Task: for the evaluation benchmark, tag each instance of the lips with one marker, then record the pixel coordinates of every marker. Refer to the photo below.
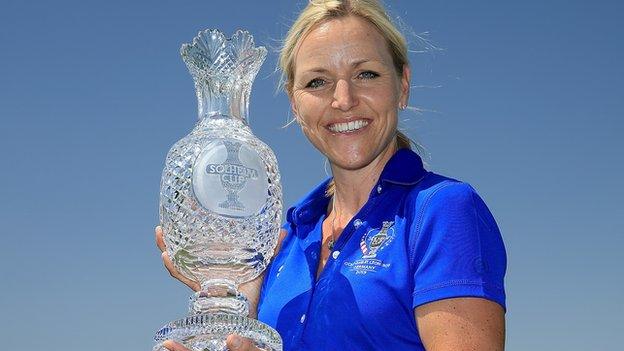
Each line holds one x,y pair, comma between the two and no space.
348,127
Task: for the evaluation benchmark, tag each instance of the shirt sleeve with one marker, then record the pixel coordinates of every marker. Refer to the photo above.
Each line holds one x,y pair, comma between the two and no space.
458,250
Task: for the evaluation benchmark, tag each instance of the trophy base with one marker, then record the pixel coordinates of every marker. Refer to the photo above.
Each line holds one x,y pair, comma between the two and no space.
208,332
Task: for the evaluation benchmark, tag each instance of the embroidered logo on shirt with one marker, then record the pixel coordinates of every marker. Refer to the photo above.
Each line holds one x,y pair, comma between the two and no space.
371,244
376,239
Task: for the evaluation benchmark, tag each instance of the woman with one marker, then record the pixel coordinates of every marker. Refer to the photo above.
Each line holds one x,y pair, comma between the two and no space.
384,255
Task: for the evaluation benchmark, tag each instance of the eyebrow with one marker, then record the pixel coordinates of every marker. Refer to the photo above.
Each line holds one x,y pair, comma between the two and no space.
353,65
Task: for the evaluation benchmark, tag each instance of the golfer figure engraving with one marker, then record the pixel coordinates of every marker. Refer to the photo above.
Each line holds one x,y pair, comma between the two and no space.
233,174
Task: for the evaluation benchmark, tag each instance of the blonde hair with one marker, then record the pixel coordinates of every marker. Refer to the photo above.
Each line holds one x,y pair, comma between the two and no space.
319,11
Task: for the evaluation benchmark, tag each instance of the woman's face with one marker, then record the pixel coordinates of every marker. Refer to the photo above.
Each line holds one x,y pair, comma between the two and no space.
346,92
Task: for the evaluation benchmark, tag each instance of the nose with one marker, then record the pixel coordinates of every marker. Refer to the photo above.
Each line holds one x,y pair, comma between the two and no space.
344,96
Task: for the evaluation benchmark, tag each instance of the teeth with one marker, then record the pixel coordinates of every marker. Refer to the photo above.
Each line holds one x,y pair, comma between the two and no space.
348,127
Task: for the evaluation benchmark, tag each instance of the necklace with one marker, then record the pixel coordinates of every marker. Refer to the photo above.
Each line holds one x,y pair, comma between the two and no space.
331,241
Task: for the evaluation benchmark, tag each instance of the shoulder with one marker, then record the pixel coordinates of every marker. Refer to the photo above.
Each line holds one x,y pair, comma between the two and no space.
448,209
437,193
455,246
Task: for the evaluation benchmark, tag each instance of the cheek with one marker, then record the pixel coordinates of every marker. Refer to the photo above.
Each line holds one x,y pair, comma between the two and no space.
309,110
382,98
314,138
384,107
310,123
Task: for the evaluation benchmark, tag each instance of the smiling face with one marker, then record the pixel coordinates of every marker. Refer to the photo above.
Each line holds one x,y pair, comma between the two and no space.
346,92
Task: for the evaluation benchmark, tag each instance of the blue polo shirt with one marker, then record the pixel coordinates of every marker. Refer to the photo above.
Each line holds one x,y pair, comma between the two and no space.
420,237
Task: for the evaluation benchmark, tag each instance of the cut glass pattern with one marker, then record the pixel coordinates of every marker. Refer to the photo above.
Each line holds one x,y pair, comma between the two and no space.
220,197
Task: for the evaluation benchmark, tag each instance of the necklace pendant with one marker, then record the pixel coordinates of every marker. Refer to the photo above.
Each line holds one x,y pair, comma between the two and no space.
330,244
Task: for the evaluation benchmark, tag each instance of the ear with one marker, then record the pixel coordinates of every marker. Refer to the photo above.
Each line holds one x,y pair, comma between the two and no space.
405,85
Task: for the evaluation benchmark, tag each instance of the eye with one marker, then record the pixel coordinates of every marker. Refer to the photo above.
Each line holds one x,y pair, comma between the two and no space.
368,75
315,83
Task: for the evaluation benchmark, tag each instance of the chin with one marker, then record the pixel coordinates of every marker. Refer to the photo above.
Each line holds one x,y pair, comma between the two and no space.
351,163
355,158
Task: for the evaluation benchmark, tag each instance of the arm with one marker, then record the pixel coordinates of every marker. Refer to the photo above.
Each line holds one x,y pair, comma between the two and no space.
464,323
460,263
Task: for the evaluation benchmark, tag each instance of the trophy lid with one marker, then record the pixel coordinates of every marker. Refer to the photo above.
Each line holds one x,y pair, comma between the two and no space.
223,70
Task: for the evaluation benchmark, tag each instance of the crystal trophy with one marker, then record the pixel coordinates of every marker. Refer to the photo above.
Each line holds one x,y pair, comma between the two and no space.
220,198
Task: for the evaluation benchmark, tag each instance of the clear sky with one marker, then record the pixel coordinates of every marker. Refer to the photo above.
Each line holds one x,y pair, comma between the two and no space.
521,99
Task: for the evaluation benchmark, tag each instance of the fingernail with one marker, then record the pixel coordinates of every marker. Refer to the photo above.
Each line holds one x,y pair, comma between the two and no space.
237,341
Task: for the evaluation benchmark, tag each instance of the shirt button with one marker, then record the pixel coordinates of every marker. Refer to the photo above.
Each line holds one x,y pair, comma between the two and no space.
379,189
357,223
302,318
335,254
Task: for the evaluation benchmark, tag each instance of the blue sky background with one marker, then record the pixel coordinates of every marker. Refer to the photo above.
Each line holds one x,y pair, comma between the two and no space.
524,101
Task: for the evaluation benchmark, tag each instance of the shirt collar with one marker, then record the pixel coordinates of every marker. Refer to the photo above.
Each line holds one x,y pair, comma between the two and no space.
313,205
404,168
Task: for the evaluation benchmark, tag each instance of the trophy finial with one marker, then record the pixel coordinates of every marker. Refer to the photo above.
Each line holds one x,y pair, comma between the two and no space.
223,70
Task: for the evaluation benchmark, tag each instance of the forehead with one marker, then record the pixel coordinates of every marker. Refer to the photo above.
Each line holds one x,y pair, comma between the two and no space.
342,41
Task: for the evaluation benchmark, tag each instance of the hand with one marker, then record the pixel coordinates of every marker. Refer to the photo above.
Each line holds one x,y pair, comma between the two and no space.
160,242
250,289
234,343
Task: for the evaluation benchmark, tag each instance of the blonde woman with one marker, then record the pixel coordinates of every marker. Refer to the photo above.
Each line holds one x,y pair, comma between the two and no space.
384,255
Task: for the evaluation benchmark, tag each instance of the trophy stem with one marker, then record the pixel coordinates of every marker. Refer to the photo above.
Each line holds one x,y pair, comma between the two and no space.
219,296
217,104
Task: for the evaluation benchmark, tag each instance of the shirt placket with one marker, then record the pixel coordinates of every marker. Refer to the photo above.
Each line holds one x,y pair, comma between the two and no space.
333,263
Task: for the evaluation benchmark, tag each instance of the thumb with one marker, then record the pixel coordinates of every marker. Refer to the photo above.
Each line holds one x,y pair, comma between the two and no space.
237,343
174,346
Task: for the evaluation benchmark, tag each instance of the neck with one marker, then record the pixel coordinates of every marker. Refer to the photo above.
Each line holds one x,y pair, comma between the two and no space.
353,187
212,103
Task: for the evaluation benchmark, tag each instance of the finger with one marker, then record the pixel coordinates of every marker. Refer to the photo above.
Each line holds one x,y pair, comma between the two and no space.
174,346
176,274
237,343
160,242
